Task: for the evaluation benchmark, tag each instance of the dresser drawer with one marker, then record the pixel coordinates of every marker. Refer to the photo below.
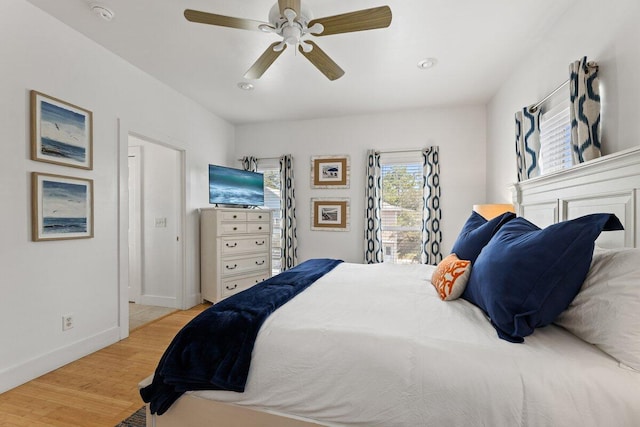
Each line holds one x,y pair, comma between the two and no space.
233,216
234,285
258,227
237,265
258,216
233,228
231,245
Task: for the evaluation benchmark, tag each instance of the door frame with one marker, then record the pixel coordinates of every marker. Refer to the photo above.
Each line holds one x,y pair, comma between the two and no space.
136,282
124,130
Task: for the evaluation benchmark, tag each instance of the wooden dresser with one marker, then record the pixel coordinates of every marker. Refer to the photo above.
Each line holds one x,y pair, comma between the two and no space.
235,250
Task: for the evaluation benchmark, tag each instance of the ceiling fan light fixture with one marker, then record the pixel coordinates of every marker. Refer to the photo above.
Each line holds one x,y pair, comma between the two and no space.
427,63
316,28
266,28
306,46
102,11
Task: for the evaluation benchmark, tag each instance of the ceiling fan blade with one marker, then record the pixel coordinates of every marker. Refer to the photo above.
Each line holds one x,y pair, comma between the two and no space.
289,4
366,19
264,62
222,21
322,61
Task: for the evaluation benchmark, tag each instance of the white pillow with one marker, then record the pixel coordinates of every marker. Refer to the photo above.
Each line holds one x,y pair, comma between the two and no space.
606,311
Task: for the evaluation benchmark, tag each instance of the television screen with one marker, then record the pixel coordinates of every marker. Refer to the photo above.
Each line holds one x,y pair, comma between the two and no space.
229,186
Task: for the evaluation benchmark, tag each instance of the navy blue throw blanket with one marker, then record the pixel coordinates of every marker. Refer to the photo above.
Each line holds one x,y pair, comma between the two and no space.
213,351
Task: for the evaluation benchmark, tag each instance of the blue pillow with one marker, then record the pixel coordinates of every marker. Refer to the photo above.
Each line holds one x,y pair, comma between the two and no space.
525,277
476,233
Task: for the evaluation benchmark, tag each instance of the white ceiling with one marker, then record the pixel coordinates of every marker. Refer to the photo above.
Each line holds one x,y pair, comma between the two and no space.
477,44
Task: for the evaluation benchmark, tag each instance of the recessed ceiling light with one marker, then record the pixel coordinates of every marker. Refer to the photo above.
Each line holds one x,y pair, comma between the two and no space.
102,11
427,63
245,86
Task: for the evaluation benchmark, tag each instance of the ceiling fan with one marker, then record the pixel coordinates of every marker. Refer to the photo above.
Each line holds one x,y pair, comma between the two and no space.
293,23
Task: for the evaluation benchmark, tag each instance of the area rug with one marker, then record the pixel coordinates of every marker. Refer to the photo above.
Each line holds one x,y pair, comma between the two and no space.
137,419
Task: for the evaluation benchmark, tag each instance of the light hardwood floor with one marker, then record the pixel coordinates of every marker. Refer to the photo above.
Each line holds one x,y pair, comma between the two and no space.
98,390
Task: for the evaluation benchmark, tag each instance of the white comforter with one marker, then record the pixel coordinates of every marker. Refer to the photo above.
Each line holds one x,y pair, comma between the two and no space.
373,345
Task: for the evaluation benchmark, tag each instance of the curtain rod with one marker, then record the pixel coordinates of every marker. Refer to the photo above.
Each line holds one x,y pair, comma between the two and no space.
264,158
416,150
535,107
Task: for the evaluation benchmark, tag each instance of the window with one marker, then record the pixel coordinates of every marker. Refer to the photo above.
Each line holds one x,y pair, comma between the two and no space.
555,138
271,172
401,207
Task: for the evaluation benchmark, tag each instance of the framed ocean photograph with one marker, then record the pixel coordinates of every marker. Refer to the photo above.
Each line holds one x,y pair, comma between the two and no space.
62,207
61,133
330,214
330,171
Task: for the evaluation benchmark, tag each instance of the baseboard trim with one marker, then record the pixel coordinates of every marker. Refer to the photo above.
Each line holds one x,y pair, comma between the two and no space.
33,368
158,300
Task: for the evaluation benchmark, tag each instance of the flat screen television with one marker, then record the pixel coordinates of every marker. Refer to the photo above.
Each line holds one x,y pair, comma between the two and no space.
236,187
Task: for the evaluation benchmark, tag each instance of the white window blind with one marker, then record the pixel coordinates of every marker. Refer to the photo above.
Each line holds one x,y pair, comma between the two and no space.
271,172
555,138
401,207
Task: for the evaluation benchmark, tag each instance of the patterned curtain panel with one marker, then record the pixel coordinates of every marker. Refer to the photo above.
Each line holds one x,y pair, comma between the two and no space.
585,110
528,143
519,147
288,208
373,207
431,213
250,163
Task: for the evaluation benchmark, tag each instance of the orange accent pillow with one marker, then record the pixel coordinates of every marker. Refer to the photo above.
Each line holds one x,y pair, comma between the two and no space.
450,277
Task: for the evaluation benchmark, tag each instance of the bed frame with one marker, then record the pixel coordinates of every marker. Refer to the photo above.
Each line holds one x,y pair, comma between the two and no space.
609,184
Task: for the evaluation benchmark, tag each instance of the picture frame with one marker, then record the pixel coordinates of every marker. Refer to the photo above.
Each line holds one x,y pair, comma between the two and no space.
61,207
61,133
330,171
330,214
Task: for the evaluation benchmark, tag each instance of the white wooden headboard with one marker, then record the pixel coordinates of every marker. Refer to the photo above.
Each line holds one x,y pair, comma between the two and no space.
609,184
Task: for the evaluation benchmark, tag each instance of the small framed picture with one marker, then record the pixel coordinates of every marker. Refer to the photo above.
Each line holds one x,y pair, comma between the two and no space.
330,171
61,133
330,214
62,207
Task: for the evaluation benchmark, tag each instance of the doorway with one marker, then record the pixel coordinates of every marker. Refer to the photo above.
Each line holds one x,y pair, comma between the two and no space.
155,229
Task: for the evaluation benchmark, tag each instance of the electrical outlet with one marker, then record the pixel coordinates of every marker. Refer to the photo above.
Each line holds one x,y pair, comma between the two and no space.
67,322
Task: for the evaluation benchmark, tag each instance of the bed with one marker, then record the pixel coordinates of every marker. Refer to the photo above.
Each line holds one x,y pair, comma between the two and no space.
374,345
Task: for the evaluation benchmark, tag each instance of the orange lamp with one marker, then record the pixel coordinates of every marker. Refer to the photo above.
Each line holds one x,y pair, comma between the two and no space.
491,211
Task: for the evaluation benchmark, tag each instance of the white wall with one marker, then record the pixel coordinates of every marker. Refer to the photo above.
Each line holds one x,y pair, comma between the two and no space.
41,281
459,132
604,31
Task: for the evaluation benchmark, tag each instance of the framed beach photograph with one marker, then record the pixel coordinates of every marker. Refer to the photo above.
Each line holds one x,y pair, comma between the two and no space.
330,171
61,133
330,214
61,207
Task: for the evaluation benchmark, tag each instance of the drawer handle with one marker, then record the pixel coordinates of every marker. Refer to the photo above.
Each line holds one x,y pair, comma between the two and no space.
259,216
231,246
235,228
232,287
259,228
260,262
228,267
260,243
235,216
